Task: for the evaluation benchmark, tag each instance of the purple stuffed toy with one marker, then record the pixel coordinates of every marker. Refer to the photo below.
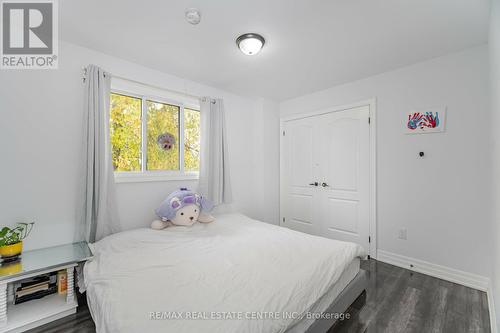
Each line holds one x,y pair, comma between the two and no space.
183,207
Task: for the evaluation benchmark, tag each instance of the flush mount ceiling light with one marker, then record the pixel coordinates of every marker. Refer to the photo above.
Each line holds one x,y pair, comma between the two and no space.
250,43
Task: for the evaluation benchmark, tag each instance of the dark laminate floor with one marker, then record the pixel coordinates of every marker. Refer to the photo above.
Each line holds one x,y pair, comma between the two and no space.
397,300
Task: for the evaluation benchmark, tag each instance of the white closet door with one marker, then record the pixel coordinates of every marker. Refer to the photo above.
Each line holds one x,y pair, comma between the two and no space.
301,169
331,149
345,172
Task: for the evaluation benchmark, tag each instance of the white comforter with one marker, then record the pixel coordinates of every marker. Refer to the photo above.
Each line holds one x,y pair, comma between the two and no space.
256,276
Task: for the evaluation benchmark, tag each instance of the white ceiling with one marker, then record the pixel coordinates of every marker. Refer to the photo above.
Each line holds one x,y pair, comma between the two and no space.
311,44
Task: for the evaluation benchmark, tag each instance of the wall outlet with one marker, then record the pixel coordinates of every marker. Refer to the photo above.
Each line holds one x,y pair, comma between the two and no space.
403,234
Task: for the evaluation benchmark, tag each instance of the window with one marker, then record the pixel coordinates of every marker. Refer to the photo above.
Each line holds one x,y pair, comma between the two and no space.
153,139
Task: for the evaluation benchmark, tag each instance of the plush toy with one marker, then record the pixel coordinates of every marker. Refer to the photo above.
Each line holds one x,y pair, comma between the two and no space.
183,207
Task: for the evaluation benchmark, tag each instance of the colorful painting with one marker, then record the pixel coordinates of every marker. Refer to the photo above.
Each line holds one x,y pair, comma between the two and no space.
429,121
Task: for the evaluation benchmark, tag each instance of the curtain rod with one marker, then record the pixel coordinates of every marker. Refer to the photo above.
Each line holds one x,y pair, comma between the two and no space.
84,69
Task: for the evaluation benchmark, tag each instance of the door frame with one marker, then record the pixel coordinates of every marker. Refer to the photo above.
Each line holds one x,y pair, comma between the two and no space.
372,105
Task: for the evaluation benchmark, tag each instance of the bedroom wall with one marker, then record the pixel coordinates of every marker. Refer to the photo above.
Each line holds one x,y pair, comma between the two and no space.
267,159
443,199
40,140
494,47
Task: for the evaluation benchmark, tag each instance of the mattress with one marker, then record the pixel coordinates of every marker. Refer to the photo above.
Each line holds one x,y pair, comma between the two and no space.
233,275
327,299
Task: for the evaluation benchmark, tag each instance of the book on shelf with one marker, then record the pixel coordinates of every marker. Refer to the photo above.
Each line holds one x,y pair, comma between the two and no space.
35,287
30,290
35,295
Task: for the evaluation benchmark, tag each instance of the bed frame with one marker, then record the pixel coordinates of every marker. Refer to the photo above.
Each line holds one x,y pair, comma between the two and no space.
355,290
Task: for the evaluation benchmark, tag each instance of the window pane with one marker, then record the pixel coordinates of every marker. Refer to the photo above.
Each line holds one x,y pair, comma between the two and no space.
125,132
191,140
163,120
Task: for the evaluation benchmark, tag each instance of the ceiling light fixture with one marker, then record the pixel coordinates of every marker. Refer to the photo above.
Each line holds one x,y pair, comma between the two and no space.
250,43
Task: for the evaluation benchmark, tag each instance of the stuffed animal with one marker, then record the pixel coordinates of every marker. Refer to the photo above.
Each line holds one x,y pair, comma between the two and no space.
183,207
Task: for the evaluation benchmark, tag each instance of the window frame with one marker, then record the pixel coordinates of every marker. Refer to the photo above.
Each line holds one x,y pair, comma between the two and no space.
145,175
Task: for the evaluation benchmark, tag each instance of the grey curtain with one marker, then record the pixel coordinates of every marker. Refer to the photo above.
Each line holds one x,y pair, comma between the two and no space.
214,181
99,213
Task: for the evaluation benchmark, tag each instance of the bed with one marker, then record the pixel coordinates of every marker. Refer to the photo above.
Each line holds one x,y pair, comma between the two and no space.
233,275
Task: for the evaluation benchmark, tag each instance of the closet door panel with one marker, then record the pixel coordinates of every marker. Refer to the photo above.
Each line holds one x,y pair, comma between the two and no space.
344,194
300,172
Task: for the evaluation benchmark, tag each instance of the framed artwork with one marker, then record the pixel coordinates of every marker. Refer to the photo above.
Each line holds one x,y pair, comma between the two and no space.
425,121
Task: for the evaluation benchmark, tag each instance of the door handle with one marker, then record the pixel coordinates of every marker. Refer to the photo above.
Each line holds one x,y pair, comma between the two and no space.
324,184
314,184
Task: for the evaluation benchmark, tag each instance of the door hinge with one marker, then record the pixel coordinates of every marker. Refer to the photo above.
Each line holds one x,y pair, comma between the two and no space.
283,133
369,239
283,220
369,120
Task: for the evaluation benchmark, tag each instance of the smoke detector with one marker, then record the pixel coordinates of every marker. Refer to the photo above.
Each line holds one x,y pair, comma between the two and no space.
193,16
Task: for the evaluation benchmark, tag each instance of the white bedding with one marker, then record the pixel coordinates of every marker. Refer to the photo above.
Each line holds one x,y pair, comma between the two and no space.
257,276
327,299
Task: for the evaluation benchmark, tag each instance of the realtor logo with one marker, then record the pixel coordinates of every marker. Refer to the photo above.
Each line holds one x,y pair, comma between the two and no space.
29,34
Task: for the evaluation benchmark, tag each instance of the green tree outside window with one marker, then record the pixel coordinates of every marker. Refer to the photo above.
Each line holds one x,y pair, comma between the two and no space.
126,135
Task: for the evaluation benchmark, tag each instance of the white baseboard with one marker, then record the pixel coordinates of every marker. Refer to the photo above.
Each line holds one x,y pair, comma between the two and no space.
446,273
442,272
491,307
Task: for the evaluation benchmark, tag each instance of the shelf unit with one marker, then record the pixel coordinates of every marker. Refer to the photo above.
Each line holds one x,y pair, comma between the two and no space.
21,317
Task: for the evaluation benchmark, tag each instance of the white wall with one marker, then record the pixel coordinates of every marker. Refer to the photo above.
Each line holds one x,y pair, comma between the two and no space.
441,199
267,159
40,146
494,45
